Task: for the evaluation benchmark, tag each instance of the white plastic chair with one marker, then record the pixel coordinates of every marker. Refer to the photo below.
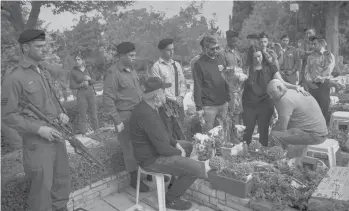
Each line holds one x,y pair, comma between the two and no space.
160,186
329,147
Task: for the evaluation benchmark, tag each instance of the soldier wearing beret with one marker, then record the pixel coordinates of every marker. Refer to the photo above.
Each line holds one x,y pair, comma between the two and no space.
171,71
233,59
45,158
317,72
121,93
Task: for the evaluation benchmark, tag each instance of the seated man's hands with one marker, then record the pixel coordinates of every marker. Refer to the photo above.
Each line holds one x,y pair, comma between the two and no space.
178,146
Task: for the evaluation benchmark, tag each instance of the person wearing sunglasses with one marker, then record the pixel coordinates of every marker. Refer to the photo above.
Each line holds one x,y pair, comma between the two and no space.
211,91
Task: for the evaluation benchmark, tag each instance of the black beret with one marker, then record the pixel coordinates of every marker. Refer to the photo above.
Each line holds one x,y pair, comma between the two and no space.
231,33
253,36
315,37
284,36
30,35
164,43
125,47
263,35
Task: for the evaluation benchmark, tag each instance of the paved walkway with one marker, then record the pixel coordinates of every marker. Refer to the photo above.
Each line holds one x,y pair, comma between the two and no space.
126,200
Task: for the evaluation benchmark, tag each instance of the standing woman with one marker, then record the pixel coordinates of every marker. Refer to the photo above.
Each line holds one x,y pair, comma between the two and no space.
257,105
82,80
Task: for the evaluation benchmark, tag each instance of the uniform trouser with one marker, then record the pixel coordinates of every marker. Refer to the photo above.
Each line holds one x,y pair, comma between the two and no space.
262,115
11,135
295,136
46,165
211,112
172,124
322,96
126,144
187,170
86,100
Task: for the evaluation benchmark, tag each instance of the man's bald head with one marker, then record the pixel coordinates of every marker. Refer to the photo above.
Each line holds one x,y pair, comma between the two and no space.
276,89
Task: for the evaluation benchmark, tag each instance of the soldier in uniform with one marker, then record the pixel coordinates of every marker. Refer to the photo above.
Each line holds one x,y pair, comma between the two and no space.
308,49
45,158
291,63
320,65
121,93
270,55
171,71
233,60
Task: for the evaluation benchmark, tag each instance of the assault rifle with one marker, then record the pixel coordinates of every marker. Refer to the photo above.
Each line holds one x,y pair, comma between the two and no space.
67,133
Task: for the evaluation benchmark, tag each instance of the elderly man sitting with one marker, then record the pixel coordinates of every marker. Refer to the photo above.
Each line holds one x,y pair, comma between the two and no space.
156,150
300,119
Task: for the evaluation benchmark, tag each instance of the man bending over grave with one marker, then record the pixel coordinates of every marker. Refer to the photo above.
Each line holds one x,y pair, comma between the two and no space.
300,121
156,150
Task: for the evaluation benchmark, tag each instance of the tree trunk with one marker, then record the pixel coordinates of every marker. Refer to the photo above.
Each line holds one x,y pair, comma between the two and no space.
34,15
332,16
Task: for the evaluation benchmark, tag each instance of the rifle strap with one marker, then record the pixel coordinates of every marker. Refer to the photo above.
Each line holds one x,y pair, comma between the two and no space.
45,77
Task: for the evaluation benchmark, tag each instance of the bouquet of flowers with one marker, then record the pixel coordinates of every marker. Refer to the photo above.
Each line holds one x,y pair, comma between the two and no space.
203,146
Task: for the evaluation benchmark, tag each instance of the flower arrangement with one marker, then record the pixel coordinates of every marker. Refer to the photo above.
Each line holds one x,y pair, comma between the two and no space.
203,146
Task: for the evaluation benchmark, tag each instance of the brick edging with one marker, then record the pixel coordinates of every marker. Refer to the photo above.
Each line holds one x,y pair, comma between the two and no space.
95,191
202,193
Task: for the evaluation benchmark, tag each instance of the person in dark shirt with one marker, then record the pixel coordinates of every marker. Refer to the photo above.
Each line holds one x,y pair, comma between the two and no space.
211,91
257,105
82,80
156,150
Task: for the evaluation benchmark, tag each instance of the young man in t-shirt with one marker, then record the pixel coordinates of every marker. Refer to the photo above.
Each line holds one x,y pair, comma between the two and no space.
300,119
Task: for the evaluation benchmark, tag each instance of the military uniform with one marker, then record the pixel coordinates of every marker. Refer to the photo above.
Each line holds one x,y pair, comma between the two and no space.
290,62
317,73
233,58
45,163
121,93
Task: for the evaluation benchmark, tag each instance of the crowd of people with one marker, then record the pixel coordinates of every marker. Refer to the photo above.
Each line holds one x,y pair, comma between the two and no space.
283,80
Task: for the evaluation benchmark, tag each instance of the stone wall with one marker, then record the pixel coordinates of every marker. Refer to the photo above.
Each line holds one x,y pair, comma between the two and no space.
202,193
98,190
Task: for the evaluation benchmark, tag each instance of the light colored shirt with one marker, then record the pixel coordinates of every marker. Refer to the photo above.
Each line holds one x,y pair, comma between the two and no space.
166,72
303,111
319,66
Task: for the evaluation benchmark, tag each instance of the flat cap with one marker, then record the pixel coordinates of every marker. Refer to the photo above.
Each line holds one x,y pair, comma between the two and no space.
155,83
263,35
315,37
253,36
125,47
164,43
30,35
231,33
284,36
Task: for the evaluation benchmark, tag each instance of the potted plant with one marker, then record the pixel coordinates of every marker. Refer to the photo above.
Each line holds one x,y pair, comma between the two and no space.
232,178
